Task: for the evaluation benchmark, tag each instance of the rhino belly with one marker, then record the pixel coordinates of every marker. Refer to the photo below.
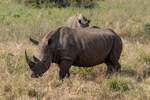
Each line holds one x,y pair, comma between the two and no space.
89,58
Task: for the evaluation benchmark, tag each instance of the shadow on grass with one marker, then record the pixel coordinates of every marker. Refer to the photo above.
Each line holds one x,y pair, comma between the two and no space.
134,74
128,72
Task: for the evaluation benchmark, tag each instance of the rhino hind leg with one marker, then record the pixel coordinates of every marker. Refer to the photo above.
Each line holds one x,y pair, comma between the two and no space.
64,69
117,67
114,56
110,67
112,62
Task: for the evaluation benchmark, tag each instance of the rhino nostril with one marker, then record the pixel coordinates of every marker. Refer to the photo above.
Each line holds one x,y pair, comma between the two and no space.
41,75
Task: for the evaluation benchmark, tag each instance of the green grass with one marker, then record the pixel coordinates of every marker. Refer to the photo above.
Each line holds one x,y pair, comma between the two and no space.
119,85
129,18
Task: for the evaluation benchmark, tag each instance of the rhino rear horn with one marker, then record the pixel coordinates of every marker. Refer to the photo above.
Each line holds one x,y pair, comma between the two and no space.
36,59
29,62
34,41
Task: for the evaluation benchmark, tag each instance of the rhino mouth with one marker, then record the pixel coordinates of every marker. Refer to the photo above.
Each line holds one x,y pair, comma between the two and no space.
33,75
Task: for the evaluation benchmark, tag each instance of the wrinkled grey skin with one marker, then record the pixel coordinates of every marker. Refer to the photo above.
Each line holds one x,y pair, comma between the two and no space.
78,21
66,46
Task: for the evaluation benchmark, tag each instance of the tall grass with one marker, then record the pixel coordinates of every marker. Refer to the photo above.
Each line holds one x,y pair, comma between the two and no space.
129,18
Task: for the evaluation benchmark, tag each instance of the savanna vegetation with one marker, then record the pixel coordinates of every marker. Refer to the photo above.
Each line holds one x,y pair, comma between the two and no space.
129,18
59,3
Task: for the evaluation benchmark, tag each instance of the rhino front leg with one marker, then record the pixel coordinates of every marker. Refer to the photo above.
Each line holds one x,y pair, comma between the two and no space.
64,69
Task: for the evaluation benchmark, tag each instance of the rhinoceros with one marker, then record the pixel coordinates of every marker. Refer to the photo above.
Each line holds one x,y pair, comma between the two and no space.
84,47
78,21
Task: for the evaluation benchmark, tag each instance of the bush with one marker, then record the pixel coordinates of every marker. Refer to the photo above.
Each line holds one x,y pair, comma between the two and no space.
147,28
60,3
118,85
32,93
85,71
82,3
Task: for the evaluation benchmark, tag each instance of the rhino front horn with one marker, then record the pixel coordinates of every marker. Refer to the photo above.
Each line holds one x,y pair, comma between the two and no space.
29,62
34,41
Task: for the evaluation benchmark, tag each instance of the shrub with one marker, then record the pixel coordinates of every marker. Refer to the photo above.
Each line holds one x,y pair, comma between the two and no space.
85,71
32,93
60,3
144,56
118,85
147,28
82,3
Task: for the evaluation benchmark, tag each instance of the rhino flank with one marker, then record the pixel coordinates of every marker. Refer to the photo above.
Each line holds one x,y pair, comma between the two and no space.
84,47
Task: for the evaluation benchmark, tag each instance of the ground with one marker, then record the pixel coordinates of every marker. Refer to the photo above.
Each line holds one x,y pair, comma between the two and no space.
129,18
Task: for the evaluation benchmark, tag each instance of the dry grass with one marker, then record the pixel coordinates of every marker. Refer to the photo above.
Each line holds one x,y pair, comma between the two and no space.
126,17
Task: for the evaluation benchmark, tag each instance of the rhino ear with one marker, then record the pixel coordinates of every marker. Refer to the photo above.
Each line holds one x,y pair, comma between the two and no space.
34,41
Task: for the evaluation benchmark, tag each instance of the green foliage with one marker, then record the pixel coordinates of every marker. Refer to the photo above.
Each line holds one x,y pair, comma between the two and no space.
118,85
18,22
32,93
145,57
82,70
147,28
35,93
82,3
85,71
60,3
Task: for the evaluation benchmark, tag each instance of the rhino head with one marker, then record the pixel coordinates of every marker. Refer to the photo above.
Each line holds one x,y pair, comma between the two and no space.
83,21
41,62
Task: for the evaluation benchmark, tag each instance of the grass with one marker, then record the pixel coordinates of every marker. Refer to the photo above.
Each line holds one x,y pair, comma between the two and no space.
130,19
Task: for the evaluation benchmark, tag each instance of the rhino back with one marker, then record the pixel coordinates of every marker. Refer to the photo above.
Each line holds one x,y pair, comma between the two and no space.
87,47
95,46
